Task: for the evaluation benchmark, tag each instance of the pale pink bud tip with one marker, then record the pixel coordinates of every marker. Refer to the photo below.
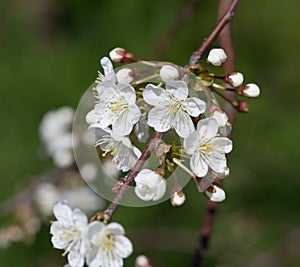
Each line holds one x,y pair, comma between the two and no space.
178,199
121,55
215,193
242,106
235,79
250,90
216,57
142,261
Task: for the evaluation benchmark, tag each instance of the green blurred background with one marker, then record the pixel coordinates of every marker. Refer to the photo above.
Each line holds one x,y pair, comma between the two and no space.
49,55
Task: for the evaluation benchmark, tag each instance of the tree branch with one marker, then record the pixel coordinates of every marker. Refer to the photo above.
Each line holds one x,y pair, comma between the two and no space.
226,44
225,19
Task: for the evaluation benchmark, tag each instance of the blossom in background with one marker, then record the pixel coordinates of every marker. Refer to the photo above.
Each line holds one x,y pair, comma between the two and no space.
172,107
149,185
108,245
69,232
55,132
125,155
141,130
207,149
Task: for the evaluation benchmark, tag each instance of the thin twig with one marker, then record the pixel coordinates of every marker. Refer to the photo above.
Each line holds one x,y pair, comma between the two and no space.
226,44
186,13
130,177
225,19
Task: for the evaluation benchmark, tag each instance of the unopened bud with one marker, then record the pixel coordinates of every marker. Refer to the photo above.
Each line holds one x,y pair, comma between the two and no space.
178,198
235,79
125,75
215,193
142,261
216,57
241,106
121,55
249,90
169,73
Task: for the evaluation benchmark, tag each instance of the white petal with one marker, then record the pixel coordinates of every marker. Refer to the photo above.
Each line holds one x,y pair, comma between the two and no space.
183,124
154,95
216,161
160,190
75,258
198,166
63,212
194,106
141,130
222,144
221,118
79,219
94,229
91,257
115,228
127,91
123,246
191,142
58,242
108,69
143,194
178,89
91,117
160,119
207,128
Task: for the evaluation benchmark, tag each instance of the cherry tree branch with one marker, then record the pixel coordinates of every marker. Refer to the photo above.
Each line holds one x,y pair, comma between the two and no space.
225,19
226,44
132,174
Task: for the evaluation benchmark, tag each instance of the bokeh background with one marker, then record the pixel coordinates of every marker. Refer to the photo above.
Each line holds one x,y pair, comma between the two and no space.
49,56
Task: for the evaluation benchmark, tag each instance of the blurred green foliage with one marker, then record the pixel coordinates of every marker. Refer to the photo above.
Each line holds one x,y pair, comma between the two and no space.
49,55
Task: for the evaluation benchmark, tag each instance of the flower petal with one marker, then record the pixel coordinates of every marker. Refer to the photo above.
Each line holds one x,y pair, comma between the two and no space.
155,96
115,228
123,246
63,212
160,190
178,89
183,124
207,128
75,258
198,166
160,119
127,92
191,142
194,106
222,144
79,219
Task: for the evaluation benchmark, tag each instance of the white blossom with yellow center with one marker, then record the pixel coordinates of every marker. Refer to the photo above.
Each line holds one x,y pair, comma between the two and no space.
125,155
207,149
108,245
69,232
172,107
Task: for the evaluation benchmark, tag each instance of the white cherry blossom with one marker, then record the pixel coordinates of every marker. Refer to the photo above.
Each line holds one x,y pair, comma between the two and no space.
207,149
108,245
172,107
69,232
125,155
149,185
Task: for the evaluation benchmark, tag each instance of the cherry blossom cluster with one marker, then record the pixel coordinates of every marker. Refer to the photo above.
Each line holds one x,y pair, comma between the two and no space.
96,244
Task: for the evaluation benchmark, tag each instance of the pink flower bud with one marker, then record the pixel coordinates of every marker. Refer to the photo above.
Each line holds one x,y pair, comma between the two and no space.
242,106
216,57
121,55
142,261
235,79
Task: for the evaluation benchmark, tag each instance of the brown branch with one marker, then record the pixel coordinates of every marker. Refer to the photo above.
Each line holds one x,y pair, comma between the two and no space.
130,177
226,44
223,21
186,13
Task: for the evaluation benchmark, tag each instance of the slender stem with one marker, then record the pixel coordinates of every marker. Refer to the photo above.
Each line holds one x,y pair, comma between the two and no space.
132,174
226,43
225,19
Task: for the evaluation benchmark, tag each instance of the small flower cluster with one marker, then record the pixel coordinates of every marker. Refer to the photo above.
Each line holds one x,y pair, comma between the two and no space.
127,105
95,243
